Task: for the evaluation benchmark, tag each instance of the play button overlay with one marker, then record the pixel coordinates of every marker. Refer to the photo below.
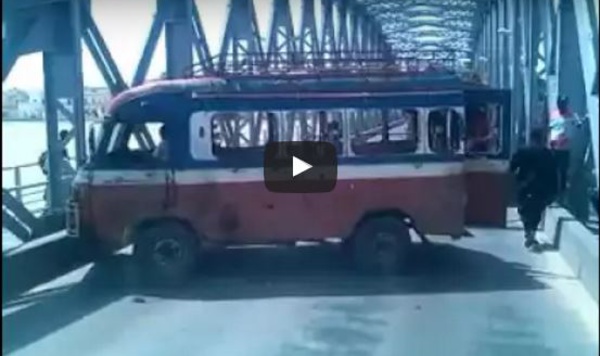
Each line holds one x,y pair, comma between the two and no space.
300,167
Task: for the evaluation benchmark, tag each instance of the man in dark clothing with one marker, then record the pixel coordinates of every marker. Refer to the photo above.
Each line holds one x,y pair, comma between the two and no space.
536,176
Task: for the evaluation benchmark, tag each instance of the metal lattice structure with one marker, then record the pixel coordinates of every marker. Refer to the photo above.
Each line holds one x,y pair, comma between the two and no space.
535,48
426,25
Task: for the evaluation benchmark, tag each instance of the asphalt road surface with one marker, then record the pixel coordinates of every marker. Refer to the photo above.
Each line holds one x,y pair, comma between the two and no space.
479,296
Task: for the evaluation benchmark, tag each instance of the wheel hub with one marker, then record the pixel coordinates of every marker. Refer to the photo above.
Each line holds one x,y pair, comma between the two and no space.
168,251
386,251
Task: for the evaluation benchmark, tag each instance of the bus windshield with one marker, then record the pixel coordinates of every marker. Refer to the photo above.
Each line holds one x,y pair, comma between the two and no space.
124,143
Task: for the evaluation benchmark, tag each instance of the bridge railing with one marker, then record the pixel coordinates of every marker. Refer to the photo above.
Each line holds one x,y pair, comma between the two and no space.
28,185
397,61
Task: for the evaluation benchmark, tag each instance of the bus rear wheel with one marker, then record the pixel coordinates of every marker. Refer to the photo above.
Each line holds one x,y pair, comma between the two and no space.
380,246
165,255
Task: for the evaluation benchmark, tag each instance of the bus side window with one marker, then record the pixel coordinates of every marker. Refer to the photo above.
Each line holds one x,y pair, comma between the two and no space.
330,129
236,133
482,123
241,129
445,130
386,131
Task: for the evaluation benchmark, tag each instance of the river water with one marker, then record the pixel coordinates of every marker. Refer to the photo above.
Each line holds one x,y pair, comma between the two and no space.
22,143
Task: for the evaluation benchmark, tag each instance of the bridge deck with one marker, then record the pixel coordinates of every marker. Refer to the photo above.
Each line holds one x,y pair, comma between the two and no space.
483,295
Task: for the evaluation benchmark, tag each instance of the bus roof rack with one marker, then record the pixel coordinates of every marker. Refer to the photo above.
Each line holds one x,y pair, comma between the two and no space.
331,63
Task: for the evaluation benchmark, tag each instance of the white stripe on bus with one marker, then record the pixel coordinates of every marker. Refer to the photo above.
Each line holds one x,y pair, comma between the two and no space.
247,175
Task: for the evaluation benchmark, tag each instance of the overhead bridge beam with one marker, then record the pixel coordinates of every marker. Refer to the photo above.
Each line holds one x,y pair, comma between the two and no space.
11,5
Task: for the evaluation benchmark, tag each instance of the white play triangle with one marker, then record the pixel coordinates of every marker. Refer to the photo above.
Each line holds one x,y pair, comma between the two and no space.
299,166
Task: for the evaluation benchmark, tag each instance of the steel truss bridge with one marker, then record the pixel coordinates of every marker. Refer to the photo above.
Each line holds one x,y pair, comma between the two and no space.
536,48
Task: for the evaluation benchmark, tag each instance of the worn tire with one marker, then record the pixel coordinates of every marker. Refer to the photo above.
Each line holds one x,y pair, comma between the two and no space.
381,246
164,255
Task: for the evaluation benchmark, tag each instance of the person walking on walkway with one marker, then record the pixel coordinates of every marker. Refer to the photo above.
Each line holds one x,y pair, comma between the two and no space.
536,174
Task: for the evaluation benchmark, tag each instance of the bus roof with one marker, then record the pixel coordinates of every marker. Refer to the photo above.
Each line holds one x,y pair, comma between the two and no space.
163,86
299,83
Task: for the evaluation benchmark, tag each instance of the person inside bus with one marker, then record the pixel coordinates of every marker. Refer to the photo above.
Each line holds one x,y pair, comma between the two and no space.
334,135
330,131
480,133
322,118
437,131
272,124
535,172
162,149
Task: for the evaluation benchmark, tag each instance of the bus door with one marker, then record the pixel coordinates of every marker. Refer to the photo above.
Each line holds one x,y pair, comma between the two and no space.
128,182
488,122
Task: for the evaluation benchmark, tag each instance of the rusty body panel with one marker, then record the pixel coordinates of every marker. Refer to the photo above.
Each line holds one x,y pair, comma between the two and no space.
246,213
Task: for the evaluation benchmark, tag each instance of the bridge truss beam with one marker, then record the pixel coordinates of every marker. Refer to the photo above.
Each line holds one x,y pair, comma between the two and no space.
541,49
56,28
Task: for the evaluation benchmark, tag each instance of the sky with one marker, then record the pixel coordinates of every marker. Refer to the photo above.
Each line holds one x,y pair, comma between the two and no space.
125,24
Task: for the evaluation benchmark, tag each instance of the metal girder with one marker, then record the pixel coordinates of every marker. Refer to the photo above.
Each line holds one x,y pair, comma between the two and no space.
542,52
241,47
99,51
178,36
424,35
574,54
328,38
183,35
587,33
405,4
420,21
343,39
282,41
200,42
12,5
308,46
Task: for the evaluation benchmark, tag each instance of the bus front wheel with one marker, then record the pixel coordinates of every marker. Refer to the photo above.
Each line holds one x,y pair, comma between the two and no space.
165,254
380,245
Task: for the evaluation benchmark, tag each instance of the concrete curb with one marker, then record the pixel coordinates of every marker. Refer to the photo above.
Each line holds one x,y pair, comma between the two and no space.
576,244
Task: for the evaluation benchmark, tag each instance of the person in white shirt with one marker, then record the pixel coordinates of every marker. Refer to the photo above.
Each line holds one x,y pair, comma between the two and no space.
562,125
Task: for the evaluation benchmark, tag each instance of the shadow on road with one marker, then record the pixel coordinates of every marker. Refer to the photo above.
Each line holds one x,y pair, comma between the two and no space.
320,271
270,273
49,310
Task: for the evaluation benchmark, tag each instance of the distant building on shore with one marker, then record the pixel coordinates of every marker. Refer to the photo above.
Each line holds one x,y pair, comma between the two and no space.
18,104
15,104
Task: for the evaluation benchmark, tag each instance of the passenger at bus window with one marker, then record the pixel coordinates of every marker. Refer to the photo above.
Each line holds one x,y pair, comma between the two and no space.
455,131
162,149
272,124
480,132
438,131
413,124
322,117
334,135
